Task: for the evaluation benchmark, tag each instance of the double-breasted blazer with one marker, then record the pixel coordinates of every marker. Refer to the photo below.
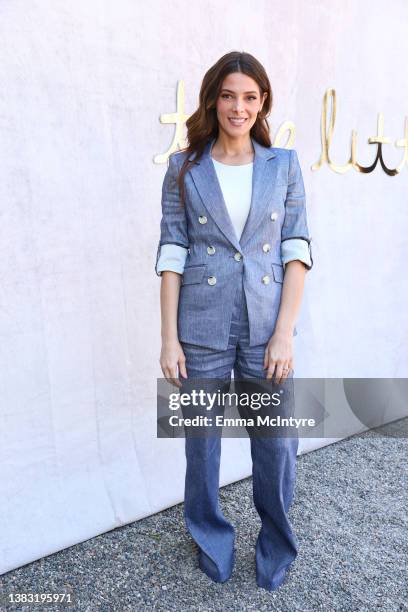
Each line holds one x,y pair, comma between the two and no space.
217,262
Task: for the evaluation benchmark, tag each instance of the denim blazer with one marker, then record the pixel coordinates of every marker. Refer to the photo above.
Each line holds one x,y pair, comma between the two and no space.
217,262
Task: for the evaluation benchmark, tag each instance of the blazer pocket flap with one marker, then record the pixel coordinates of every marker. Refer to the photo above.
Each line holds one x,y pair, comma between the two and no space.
193,274
277,272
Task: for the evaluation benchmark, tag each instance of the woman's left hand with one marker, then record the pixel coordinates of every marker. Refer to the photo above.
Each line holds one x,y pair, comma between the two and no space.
279,355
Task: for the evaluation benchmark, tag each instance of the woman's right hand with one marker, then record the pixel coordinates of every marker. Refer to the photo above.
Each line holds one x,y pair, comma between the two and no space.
171,358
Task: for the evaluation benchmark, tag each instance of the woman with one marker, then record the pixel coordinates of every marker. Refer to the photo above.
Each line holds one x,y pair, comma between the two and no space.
233,252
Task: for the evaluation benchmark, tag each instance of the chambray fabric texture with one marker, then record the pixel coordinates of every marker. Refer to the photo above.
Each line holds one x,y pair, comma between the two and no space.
273,462
236,186
173,257
210,279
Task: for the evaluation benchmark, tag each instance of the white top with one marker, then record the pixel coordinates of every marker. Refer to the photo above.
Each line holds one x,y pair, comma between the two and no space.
236,187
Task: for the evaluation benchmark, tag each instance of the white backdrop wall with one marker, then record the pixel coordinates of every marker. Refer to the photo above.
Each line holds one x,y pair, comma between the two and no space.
82,88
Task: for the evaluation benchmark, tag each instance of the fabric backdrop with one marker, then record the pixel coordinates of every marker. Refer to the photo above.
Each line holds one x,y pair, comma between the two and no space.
83,86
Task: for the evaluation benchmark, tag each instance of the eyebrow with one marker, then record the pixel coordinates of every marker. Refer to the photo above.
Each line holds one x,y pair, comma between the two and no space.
230,90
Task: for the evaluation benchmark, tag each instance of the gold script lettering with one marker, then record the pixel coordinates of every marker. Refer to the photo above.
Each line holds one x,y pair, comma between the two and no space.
178,118
379,140
326,129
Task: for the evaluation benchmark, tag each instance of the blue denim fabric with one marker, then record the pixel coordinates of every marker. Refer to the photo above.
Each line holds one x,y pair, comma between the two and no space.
273,468
277,220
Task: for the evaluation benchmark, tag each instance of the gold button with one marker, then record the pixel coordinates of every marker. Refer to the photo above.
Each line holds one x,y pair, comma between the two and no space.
266,248
237,256
265,279
210,250
202,219
274,216
211,280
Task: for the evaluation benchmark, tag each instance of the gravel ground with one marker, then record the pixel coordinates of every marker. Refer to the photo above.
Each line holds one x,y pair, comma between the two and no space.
349,514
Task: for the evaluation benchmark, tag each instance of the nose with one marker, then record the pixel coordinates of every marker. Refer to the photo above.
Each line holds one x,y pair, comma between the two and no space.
237,106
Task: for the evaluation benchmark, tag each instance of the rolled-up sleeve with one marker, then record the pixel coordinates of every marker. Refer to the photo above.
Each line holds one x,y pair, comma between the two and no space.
295,238
171,257
173,225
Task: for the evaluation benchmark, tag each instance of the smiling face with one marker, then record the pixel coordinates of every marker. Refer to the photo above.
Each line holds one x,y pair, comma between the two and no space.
238,104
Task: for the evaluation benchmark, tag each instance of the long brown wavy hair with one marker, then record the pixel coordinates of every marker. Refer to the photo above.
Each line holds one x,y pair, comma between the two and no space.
202,125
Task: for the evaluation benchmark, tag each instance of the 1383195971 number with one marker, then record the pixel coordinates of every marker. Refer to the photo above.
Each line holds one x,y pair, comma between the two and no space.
37,598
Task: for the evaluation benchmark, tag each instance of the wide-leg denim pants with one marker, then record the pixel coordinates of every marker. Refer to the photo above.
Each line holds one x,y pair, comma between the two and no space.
273,468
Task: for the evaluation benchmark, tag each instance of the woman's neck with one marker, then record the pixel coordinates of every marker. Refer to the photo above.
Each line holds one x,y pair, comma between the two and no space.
232,152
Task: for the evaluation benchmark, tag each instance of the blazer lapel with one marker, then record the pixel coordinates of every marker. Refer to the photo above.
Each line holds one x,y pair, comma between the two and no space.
206,180
263,179
263,182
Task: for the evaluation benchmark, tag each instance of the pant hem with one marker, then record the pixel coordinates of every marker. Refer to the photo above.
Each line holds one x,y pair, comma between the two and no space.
207,569
272,585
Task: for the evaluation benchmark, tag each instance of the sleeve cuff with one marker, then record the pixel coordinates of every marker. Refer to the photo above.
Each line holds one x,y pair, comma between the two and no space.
171,257
297,248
